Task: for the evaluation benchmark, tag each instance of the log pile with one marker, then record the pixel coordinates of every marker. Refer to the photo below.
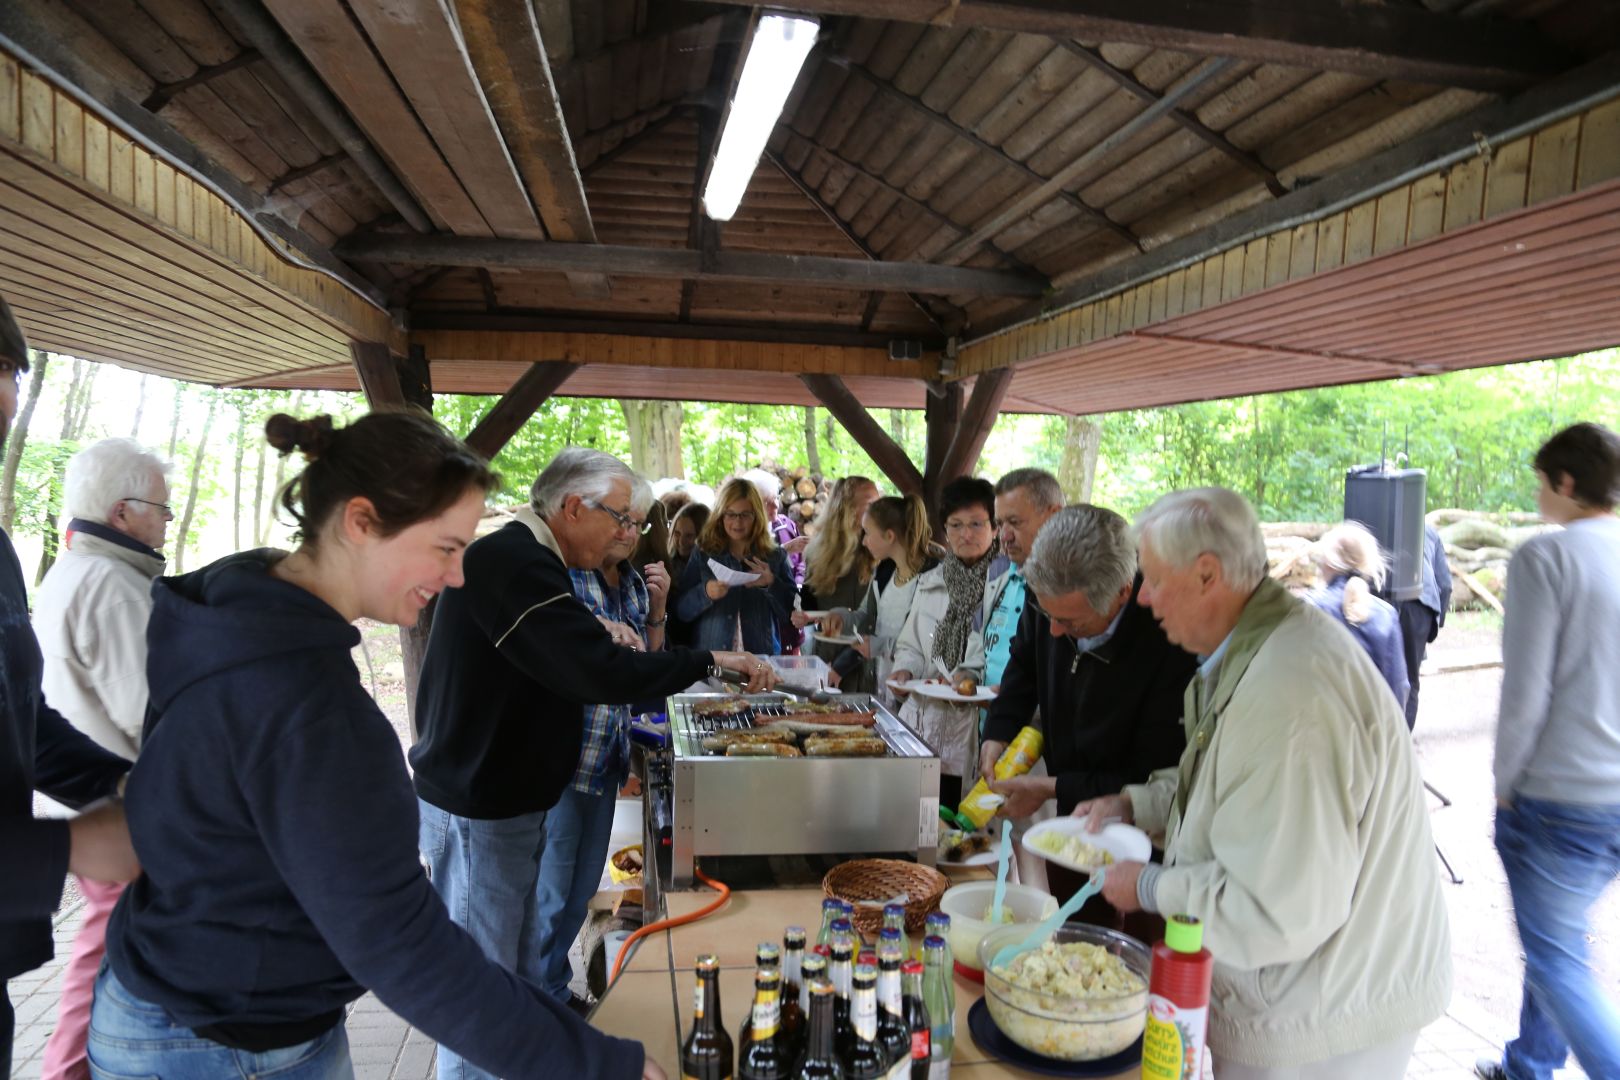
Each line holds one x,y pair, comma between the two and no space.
1478,547
804,494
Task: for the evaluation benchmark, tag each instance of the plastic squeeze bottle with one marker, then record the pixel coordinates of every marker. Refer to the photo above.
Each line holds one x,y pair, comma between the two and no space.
1020,756
1178,1003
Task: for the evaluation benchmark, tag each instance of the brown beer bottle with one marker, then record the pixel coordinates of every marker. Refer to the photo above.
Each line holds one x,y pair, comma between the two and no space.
707,1053
794,1021
820,1059
865,1058
762,1055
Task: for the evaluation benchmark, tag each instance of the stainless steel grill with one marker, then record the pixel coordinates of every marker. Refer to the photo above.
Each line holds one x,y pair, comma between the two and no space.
790,806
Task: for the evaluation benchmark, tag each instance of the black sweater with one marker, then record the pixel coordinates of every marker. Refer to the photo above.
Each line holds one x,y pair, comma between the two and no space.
38,749
278,831
512,659
1110,717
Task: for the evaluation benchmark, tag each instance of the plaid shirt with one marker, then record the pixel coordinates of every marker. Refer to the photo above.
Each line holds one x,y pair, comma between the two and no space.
604,755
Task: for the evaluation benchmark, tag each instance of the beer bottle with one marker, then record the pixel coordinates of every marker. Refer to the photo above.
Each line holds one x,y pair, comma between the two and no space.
894,918
911,975
762,1056
865,1059
939,924
815,967
707,1053
793,1004
766,955
941,1010
830,909
841,969
820,1060
892,1032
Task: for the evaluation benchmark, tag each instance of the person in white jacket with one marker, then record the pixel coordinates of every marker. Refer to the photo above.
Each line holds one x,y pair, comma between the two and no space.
1294,826
90,617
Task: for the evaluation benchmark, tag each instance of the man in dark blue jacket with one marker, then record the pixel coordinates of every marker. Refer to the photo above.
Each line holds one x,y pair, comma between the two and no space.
39,749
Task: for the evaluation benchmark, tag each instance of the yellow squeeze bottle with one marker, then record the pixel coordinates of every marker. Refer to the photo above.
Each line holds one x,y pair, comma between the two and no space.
980,804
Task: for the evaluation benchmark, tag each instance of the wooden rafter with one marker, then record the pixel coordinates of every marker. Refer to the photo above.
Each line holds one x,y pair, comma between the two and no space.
1187,121
885,453
861,275
1384,41
543,322
379,379
978,417
957,316
305,171
166,93
519,403
1069,198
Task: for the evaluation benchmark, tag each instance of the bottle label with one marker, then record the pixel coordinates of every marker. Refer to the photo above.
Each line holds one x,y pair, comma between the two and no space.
888,988
1173,1045
864,1016
767,1015
697,1001
919,1045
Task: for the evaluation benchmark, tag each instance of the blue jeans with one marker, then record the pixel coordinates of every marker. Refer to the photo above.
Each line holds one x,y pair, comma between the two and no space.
1559,858
486,871
131,1039
577,831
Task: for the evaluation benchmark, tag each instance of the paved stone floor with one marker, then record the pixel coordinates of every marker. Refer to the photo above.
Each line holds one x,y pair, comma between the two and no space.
385,1048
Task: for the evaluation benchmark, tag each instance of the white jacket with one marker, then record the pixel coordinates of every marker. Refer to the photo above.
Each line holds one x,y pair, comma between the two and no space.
951,731
90,617
1304,845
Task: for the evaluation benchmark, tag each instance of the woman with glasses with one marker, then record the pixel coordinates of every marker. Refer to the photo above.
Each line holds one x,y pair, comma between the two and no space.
738,537
936,630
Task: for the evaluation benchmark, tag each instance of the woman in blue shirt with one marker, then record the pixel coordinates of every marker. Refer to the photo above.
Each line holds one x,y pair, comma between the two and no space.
737,536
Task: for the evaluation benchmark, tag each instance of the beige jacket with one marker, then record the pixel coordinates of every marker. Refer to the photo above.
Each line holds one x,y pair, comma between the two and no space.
1305,845
90,617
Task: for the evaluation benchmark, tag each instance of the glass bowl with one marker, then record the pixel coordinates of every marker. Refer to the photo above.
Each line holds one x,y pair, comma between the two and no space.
1062,1026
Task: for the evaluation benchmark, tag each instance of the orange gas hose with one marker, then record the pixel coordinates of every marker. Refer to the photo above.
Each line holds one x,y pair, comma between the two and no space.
666,924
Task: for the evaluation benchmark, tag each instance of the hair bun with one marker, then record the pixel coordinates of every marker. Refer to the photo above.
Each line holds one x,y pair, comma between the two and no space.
288,433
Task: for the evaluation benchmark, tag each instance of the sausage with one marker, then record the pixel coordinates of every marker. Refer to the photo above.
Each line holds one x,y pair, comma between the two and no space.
762,749
717,743
840,746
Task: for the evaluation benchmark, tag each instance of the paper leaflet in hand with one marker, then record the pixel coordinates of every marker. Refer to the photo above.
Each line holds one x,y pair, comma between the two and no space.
727,576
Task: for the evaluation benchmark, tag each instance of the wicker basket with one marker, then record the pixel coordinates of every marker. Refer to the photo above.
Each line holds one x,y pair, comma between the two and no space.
877,881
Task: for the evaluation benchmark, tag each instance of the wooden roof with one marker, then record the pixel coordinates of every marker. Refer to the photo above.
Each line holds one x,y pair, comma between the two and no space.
407,171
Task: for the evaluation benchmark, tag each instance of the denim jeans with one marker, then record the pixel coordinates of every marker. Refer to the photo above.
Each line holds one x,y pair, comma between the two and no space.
577,831
1559,858
486,871
131,1039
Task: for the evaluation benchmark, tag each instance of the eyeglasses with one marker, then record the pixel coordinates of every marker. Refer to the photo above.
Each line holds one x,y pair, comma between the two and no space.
624,521
966,526
741,517
165,507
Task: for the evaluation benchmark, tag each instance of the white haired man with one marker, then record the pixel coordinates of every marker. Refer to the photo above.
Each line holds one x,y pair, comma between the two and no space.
513,660
90,617
1294,825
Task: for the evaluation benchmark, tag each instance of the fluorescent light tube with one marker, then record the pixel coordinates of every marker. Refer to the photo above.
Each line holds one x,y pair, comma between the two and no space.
777,52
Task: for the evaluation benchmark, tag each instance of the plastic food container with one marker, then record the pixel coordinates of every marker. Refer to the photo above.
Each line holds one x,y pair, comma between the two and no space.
1068,1028
967,904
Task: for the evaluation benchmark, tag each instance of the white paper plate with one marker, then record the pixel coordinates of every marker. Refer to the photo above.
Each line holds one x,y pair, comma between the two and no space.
983,858
1126,843
837,639
942,692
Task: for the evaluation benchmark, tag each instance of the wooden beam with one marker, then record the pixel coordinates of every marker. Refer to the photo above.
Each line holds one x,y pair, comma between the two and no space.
416,378
162,95
775,333
518,404
1055,186
379,378
861,275
654,125
1073,201
885,453
304,171
1383,41
942,412
1094,59
978,417
1463,139
702,234
503,41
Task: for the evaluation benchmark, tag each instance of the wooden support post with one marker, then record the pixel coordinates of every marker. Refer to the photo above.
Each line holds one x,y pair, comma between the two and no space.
848,411
416,387
983,405
943,413
379,378
518,404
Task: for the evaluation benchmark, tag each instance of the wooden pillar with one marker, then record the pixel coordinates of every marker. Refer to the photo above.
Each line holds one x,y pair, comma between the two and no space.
519,403
943,413
978,417
848,411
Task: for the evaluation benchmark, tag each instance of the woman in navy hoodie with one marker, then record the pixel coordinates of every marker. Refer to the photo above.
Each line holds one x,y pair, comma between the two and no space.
272,812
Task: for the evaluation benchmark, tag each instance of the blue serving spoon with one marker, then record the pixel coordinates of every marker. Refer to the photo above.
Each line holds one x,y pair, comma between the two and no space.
1001,870
1048,927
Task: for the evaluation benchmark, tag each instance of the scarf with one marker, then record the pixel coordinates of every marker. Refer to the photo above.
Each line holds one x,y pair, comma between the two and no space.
965,586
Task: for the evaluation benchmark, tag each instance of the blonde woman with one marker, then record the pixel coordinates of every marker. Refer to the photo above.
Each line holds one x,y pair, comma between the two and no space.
895,532
1352,569
737,536
838,569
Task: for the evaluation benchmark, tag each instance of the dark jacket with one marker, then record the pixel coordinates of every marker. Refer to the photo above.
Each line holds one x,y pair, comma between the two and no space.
760,611
38,749
511,663
1436,593
1110,716
277,828
1380,635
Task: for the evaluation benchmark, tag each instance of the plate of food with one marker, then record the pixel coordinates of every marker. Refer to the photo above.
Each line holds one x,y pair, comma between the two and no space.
1067,842
958,848
961,692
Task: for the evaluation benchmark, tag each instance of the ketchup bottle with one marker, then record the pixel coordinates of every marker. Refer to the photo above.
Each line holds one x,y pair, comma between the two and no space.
1178,1003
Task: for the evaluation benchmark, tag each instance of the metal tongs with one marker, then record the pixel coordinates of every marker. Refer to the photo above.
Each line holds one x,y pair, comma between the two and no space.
815,697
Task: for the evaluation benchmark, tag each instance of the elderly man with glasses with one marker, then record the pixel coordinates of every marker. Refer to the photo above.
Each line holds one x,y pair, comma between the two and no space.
513,661
90,616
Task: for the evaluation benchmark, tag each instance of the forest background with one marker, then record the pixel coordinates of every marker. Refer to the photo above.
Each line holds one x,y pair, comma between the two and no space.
1473,431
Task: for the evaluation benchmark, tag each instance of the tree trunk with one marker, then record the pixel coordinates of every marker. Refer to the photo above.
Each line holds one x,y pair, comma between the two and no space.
258,498
191,494
1082,439
236,502
87,393
174,433
811,453
655,437
53,495
829,428
18,439
140,407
